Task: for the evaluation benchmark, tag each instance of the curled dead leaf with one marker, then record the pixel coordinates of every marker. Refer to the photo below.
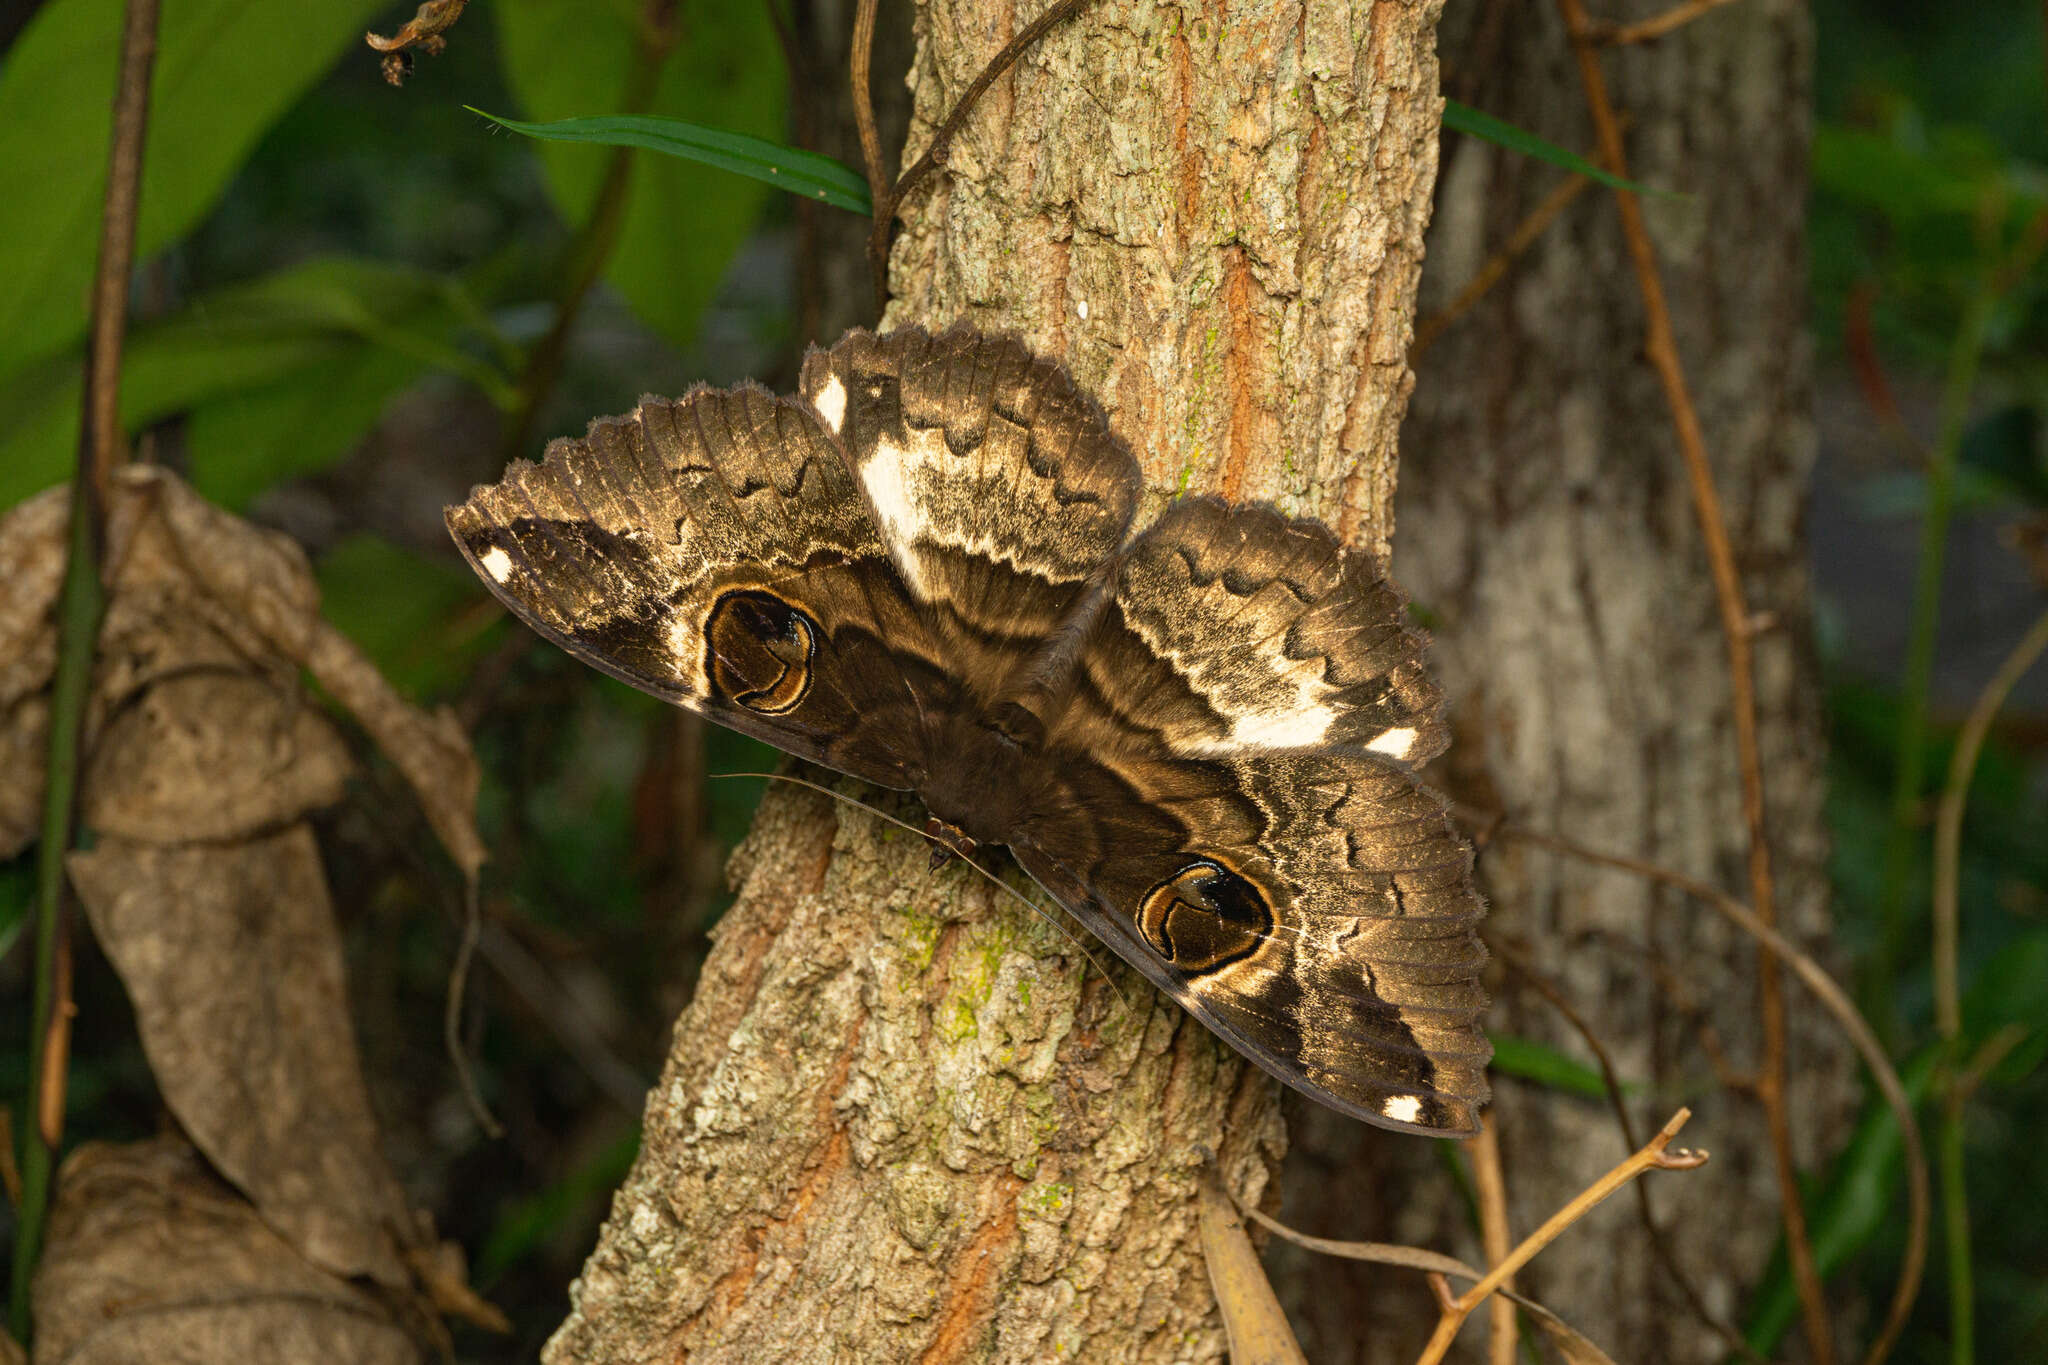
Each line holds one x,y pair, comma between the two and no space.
151,1257
230,955
204,752
212,756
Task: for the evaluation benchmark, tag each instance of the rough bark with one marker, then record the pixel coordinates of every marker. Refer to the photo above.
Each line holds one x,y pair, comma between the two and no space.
902,1119
1546,523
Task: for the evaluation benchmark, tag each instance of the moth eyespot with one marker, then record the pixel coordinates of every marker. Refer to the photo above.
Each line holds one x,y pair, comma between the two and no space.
1205,917
759,651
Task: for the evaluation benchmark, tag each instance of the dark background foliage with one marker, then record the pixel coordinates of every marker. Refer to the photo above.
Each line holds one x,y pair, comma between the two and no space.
344,288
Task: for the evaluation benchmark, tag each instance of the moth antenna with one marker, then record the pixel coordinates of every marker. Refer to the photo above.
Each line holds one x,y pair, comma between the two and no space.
994,880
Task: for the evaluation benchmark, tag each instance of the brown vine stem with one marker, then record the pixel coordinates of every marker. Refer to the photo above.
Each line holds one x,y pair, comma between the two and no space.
1439,1269
80,609
1492,1186
1651,1156
888,201
584,260
861,59
1837,1003
1656,26
1948,823
1735,628
1948,1004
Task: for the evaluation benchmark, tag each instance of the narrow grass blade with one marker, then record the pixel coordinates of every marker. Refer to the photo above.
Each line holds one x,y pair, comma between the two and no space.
1464,118
807,174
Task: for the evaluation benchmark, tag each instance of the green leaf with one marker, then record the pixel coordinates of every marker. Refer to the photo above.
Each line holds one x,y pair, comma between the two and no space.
402,608
225,70
1546,1066
683,222
1464,118
281,375
809,175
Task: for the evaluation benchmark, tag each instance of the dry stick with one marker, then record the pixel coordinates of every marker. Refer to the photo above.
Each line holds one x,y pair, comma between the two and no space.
1837,1003
1652,1155
1948,1008
1493,1236
1520,240
591,248
81,607
1431,1263
887,202
1735,627
1948,821
1643,31
1660,1241
860,60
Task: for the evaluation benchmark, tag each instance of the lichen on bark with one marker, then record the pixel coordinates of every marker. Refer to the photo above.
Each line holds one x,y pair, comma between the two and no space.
902,1118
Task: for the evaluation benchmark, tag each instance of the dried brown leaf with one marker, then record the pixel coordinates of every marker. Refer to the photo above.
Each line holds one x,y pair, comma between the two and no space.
251,583
1569,1342
204,753
212,756
231,957
1252,1317
24,753
152,1258
31,571
430,750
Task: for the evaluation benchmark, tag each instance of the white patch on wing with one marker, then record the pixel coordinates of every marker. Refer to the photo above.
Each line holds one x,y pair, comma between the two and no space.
831,403
1296,727
1402,1108
890,478
1395,743
496,563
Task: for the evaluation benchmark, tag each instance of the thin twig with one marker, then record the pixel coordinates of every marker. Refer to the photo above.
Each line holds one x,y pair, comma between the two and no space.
81,606
802,104
1837,1003
1518,962
1656,26
451,1012
1948,1007
1948,822
1434,1264
1651,1156
1736,631
887,203
590,250
1490,274
861,61
1491,1184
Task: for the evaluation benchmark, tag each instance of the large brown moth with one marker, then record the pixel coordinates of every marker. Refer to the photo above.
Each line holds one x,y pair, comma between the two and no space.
1199,736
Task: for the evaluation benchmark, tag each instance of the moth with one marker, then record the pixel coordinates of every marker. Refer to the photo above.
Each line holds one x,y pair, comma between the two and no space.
1198,735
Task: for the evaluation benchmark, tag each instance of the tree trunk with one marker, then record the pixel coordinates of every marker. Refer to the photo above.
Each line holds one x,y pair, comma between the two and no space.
1547,524
900,1120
